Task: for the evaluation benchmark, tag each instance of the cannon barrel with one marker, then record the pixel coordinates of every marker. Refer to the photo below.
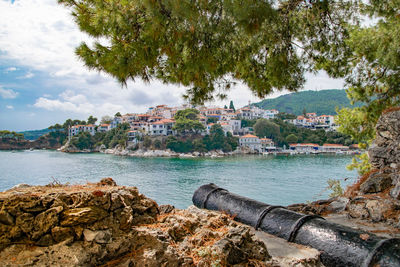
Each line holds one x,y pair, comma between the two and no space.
339,245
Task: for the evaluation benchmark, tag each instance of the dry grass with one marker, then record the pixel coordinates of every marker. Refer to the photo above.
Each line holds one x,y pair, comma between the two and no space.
351,190
390,110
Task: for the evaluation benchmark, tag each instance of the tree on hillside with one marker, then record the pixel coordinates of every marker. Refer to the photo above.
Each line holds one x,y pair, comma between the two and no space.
106,120
118,114
231,106
187,122
291,139
91,120
266,128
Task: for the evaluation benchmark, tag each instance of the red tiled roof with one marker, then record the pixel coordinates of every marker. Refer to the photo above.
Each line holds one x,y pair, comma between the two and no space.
248,136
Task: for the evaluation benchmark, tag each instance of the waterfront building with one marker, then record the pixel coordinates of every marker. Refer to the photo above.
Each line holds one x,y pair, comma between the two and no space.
161,127
250,141
267,145
333,148
76,129
304,148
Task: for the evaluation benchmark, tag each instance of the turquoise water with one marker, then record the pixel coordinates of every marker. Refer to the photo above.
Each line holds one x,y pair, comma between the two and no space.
278,180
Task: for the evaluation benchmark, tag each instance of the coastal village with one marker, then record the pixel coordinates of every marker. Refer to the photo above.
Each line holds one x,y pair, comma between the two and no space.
159,121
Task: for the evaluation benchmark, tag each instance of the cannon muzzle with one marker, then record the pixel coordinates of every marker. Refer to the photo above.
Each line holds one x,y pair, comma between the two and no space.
339,245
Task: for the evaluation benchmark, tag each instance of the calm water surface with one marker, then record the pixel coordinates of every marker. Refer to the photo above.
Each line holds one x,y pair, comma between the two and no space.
277,180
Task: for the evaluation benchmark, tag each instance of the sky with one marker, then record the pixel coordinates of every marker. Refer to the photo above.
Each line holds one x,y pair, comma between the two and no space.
42,82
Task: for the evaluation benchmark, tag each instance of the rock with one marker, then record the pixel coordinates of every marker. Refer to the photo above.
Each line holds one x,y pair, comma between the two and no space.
100,237
25,222
356,209
338,205
164,209
19,186
107,181
238,246
6,218
60,234
46,240
395,192
377,209
85,215
377,182
45,221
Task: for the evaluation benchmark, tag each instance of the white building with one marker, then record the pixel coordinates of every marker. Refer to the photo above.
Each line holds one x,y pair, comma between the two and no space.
304,147
115,122
250,141
236,125
333,148
76,129
270,114
267,145
103,128
162,127
133,136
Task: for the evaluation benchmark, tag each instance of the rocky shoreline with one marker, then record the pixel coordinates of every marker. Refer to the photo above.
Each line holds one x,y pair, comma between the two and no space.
109,225
147,153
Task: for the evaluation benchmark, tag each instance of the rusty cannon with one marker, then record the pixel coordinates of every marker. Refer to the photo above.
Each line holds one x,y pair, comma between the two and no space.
339,245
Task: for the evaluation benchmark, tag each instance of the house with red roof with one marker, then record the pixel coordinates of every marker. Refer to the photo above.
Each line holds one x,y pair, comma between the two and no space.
250,141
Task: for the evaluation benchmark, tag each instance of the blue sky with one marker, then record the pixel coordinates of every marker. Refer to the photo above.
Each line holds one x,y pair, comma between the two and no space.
42,82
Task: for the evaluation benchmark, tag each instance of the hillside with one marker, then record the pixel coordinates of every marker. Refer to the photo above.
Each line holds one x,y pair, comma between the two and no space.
35,134
320,102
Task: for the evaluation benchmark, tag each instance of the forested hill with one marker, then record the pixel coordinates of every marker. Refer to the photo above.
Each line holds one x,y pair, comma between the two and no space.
35,134
320,102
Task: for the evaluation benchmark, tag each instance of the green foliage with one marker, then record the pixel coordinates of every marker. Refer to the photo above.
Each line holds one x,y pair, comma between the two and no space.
83,141
147,142
199,146
361,164
116,136
118,114
283,133
335,186
187,122
180,146
212,120
91,120
215,140
209,45
266,128
106,120
286,116
321,102
231,106
11,135
248,123
291,139
157,144
355,123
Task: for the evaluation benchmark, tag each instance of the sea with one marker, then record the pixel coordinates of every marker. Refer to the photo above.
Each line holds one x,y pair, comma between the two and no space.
275,180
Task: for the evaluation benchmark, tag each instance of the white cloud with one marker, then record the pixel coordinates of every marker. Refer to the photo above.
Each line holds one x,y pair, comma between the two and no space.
10,69
7,93
9,107
28,75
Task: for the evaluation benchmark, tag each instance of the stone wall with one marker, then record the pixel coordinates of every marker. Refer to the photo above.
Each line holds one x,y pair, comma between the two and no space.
46,215
385,156
377,197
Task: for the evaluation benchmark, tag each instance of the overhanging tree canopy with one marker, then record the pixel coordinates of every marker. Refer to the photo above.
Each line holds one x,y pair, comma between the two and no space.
208,45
